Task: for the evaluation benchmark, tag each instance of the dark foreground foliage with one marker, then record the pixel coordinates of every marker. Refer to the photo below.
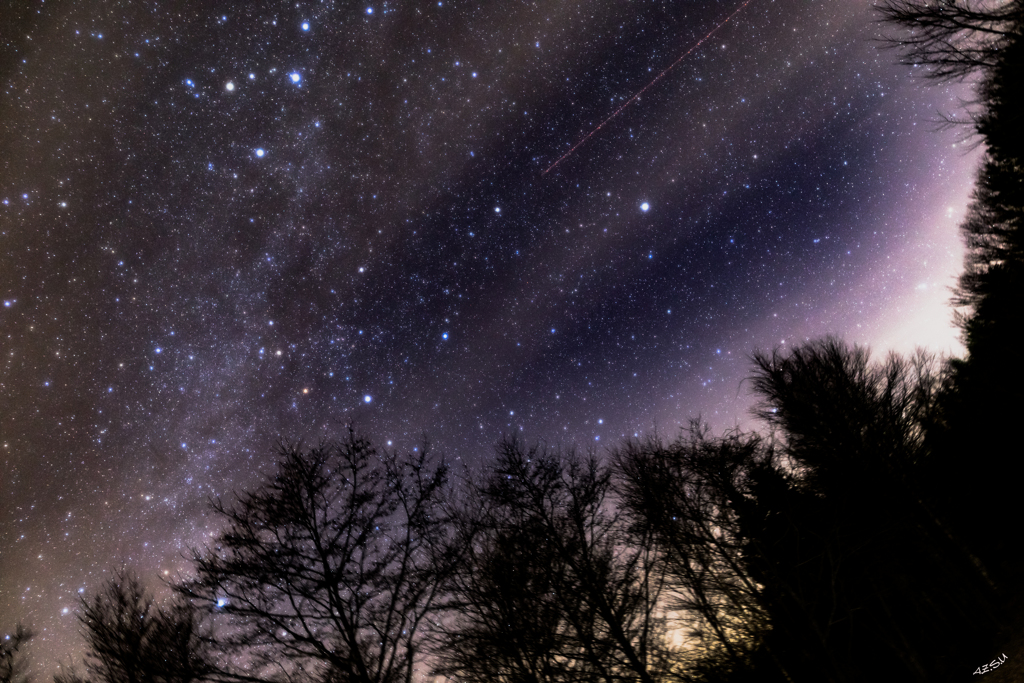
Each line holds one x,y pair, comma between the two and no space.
984,392
131,639
330,569
870,533
550,587
816,553
12,651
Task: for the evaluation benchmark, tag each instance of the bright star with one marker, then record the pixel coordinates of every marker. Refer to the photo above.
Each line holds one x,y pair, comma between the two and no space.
367,398
645,206
296,77
260,152
305,26
229,86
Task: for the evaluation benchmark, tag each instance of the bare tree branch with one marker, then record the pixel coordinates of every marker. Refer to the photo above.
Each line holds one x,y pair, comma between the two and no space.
330,568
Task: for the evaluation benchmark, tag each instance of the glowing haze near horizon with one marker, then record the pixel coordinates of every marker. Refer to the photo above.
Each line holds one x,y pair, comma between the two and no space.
222,224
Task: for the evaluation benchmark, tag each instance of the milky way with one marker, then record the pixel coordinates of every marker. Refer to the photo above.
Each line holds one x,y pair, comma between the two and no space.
224,224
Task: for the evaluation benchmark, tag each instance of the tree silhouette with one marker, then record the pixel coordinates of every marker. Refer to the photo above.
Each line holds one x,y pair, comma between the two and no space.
505,619
984,392
953,38
817,553
688,495
131,639
12,665
901,589
550,589
329,569
956,38
991,288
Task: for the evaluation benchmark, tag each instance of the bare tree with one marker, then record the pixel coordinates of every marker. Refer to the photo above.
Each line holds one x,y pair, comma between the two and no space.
329,568
551,589
842,416
953,38
691,495
504,615
131,639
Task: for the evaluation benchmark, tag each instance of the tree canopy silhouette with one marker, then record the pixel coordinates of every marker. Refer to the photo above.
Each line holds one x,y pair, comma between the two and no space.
549,587
857,433
815,553
131,639
953,38
688,496
984,391
329,569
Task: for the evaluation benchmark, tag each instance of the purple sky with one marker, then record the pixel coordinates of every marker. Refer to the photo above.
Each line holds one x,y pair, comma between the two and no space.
222,227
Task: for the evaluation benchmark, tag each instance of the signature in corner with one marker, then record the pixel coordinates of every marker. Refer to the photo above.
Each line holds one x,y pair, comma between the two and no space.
994,664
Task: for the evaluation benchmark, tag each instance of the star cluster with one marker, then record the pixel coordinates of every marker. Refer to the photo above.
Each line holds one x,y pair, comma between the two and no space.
224,224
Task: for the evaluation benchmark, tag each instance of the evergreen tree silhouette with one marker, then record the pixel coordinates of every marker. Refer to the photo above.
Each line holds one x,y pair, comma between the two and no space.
985,391
131,639
896,589
12,650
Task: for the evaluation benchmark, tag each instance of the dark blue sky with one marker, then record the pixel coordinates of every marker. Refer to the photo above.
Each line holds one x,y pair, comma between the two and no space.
222,224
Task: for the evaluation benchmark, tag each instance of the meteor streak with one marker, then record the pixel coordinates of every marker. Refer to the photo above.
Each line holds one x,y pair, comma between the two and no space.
644,89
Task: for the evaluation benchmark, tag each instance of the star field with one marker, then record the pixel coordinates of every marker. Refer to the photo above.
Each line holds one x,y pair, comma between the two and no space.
223,224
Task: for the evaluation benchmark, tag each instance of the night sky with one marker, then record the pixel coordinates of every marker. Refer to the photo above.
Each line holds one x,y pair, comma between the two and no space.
223,224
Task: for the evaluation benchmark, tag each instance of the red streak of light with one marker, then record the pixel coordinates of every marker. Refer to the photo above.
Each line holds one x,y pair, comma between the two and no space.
644,89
